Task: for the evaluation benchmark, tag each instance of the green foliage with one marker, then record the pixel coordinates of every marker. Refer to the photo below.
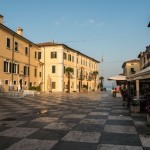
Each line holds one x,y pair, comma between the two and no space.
69,70
35,88
95,73
101,78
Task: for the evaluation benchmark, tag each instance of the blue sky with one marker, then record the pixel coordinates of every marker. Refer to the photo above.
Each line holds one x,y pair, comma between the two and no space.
114,29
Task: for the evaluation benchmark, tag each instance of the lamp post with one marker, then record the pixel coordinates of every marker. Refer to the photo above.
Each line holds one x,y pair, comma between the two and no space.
81,77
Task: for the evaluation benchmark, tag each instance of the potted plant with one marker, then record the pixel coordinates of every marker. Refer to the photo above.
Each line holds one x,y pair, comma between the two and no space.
135,106
148,114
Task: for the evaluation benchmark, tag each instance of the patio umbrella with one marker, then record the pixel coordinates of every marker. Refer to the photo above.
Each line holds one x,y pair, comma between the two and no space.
118,78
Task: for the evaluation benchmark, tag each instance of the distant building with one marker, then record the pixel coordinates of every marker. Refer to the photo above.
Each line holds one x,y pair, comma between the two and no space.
131,67
18,60
24,64
56,58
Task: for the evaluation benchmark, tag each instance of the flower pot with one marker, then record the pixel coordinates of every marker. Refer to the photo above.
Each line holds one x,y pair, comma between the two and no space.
134,109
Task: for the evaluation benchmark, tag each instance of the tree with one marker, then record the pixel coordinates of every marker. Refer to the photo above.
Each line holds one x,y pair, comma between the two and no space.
95,73
101,82
69,70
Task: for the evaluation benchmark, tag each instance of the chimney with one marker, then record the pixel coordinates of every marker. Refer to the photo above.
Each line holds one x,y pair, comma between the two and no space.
1,19
20,31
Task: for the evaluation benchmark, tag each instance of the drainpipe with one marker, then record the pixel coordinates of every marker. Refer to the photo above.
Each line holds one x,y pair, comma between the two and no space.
30,45
44,69
13,51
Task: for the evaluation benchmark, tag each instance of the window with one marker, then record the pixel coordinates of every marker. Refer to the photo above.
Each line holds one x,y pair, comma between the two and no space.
11,67
69,57
39,55
132,71
72,58
16,46
77,60
40,74
26,50
15,82
6,82
53,69
53,85
15,68
6,66
65,56
26,70
35,54
53,54
81,61
8,43
35,72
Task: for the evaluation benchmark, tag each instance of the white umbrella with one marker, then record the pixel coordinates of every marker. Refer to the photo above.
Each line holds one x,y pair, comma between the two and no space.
118,78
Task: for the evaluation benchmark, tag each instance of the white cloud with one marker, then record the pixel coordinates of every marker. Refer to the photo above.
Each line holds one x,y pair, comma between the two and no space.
92,22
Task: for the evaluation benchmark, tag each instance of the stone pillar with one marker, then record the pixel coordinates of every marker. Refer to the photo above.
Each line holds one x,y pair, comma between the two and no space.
137,89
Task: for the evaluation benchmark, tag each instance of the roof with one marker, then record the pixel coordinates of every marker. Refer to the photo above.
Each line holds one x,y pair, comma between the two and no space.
130,61
65,46
16,34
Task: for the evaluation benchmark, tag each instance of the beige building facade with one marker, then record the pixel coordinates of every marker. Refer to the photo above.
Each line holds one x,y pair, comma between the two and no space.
24,64
18,60
131,67
56,58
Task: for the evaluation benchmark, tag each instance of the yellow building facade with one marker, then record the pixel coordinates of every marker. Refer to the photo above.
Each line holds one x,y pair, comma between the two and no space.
56,58
18,60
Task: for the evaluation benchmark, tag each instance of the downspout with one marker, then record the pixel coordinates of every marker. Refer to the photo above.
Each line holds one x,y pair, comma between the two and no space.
44,69
30,45
12,76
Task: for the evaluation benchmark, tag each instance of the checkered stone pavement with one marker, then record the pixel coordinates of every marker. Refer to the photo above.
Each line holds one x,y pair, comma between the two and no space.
77,121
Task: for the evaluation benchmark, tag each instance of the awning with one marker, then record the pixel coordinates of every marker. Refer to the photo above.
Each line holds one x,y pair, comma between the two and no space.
118,78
